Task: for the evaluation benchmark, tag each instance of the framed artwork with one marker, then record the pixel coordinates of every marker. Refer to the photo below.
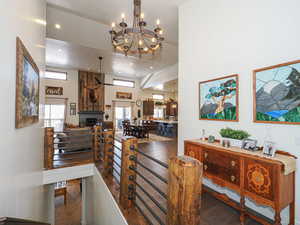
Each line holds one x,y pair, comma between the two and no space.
218,99
124,95
72,109
27,88
277,94
54,90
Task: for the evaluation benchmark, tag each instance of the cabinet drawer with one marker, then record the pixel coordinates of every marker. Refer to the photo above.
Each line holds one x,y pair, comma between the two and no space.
259,178
222,165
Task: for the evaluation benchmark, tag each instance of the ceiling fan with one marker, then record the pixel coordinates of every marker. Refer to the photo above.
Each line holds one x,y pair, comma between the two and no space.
97,80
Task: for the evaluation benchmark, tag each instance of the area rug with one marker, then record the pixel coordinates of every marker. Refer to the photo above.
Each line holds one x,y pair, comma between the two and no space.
152,138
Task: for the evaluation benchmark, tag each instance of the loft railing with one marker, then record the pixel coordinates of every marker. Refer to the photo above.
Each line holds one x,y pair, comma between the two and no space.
68,147
122,160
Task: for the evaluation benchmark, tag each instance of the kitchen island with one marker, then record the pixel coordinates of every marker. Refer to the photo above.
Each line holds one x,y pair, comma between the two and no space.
166,128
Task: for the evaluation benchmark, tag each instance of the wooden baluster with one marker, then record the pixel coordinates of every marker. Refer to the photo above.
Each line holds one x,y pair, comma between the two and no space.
108,152
184,191
128,176
48,148
96,143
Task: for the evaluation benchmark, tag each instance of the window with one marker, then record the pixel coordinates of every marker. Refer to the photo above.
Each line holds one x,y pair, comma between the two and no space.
157,97
124,83
54,116
56,75
158,113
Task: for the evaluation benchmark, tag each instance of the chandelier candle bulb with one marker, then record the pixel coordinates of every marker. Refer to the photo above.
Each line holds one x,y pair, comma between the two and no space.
113,25
157,22
142,16
123,16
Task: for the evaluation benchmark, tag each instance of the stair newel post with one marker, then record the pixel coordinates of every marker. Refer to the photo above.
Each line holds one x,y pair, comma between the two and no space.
48,148
108,153
128,174
184,191
96,143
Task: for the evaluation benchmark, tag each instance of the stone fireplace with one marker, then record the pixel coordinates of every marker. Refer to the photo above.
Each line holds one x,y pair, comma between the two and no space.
90,118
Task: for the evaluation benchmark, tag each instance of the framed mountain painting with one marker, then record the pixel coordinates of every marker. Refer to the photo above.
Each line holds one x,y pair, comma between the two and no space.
27,88
277,94
218,99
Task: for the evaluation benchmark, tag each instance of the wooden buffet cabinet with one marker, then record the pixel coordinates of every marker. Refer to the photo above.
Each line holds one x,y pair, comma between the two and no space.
257,178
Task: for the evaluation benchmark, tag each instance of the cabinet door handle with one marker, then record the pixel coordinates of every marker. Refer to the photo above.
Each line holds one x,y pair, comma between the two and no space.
233,163
205,167
232,178
205,155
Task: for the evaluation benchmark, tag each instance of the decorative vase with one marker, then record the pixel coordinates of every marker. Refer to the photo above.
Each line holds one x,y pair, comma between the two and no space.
234,142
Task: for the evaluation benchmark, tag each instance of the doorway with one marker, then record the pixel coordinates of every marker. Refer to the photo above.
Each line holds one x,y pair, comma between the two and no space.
121,113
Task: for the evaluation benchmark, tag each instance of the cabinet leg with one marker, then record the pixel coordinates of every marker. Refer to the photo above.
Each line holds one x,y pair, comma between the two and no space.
243,209
292,213
277,218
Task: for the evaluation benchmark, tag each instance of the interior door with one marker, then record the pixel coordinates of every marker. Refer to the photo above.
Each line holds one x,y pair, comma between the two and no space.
121,113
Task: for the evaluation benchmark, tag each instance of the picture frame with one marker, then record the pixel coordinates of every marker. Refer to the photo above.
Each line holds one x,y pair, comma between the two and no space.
276,96
27,87
73,109
269,148
124,95
249,144
219,99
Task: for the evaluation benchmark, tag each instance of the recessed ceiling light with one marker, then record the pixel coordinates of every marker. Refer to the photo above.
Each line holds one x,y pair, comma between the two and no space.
57,26
59,50
151,67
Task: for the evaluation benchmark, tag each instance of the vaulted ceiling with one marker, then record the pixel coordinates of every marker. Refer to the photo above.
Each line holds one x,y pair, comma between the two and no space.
84,35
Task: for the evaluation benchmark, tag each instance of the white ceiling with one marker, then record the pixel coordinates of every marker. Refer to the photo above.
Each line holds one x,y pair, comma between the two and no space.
61,54
84,36
108,11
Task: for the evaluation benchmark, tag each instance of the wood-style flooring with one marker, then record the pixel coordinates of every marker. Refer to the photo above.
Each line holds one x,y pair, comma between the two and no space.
69,214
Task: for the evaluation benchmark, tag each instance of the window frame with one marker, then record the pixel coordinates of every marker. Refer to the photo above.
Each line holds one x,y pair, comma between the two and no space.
131,81
163,112
53,71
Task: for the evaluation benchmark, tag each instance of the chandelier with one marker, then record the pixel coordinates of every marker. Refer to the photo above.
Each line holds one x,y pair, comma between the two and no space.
136,40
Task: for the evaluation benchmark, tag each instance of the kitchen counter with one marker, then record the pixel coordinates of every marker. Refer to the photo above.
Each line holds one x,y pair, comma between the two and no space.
166,121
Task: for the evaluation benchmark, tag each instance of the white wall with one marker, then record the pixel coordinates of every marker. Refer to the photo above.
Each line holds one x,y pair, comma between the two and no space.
70,91
219,38
21,162
101,207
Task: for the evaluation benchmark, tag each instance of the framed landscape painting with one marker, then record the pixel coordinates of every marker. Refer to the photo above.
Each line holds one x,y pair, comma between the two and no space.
277,94
218,99
27,88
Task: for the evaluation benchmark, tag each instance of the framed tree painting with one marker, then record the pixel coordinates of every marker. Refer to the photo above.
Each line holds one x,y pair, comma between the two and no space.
27,88
218,99
277,94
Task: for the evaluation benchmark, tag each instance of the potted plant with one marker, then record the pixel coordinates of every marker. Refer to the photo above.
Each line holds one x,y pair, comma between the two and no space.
234,136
